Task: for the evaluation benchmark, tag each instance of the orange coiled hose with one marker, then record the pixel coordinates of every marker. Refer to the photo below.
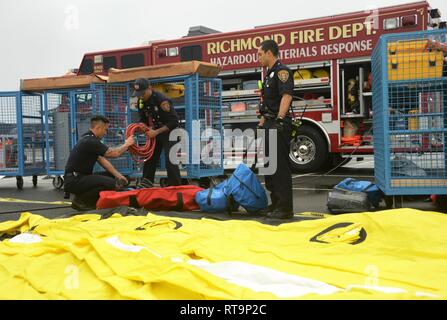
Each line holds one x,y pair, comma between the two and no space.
141,153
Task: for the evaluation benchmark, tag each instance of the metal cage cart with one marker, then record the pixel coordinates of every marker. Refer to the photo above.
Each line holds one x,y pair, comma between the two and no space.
198,102
67,117
112,101
410,113
22,139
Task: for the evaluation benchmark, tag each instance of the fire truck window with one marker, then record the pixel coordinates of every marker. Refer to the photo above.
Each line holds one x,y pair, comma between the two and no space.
191,53
132,61
109,62
86,67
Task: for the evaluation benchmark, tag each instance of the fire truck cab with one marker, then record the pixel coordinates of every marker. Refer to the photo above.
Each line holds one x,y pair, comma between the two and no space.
331,61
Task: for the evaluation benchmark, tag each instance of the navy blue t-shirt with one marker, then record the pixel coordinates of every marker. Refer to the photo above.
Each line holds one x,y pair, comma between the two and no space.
159,116
84,155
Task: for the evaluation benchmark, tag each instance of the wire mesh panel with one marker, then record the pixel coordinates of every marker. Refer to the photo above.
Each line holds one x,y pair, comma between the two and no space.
83,110
410,119
68,114
9,140
198,103
21,135
112,101
59,129
176,89
33,134
208,120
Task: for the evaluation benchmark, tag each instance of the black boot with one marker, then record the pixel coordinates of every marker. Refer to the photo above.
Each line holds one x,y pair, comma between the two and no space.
267,211
80,205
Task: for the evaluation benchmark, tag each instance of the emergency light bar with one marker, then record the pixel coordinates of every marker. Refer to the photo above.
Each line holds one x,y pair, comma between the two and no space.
171,52
392,23
407,21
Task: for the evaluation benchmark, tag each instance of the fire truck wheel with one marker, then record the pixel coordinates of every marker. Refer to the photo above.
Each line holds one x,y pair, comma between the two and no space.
308,153
19,182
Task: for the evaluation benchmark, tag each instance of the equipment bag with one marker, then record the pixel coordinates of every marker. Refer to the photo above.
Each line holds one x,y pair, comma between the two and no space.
246,190
343,201
351,195
215,200
373,192
242,188
177,198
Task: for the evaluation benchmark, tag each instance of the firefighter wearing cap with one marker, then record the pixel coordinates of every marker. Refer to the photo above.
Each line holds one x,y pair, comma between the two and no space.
157,112
277,96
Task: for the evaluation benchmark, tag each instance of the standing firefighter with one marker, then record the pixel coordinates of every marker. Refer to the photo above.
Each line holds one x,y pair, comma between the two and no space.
277,96
156,111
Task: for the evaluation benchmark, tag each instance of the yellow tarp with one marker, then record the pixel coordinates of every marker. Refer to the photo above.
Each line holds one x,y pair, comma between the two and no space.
399,254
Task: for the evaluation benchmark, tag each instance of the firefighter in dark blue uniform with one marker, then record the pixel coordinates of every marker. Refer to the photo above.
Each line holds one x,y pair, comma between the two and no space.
156,111
277,96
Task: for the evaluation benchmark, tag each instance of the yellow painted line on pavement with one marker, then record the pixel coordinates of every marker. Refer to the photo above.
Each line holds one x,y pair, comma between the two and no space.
12,200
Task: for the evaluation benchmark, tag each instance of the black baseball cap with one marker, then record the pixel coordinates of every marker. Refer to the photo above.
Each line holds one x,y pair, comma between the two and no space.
139,86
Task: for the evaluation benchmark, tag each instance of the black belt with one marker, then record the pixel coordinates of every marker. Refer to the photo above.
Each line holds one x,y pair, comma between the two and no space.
72,174
270,116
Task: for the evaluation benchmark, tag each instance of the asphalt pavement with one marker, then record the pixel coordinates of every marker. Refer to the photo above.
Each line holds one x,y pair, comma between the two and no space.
310,193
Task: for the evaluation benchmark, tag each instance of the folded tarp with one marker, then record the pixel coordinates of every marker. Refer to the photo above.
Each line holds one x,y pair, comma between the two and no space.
397,254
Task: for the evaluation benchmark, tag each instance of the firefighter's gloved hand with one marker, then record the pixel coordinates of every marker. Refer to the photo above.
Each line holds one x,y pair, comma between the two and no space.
279,125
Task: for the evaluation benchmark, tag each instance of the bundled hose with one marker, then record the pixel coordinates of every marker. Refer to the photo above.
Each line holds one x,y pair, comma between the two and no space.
141,153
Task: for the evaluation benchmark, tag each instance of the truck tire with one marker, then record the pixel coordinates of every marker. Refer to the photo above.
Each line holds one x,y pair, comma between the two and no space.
335,160
309,153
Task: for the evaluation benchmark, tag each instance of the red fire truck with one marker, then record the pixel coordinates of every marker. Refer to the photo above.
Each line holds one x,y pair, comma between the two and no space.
331,60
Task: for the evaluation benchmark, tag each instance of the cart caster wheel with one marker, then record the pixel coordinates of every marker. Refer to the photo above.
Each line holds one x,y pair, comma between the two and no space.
35,181
58,183
19,182
163,182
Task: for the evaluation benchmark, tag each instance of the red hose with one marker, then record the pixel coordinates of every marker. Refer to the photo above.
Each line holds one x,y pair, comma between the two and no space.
145,152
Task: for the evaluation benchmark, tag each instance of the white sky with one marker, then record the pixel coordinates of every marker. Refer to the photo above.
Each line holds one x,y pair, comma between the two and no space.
47,37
